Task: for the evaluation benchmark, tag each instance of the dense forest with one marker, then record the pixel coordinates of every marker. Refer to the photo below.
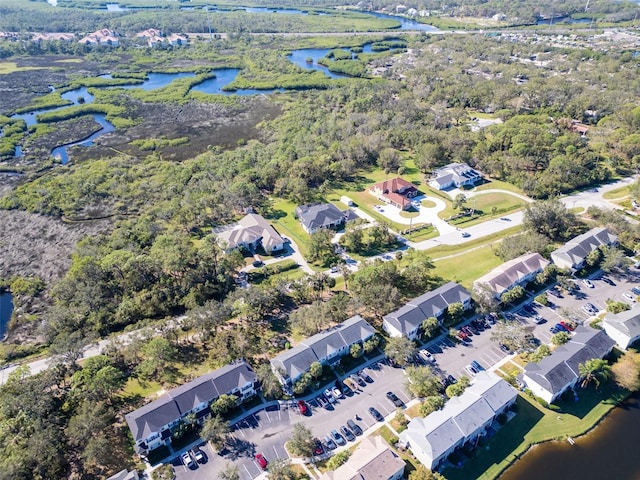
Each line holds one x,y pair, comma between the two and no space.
413,105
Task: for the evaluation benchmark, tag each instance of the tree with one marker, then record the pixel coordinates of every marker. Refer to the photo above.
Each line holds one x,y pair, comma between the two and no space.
423,473
454,312
98,379
422,381
431,404
338,459
513,295
315,369
302,442
230,472
356,350
371,344
269,383
458,388
550,218
626,371
158,353
542,299
593,257
614,306
223,404
321,249
512,247
560,338
281,470
400,350
511,333
215,430
485,298
164,472
613,259
594,370
430,326
460,201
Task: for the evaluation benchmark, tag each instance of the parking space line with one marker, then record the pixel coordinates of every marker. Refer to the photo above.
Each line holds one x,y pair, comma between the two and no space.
247,470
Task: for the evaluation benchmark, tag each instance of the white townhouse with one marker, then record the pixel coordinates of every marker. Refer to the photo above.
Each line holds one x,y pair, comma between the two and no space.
623,327
519,271
573,253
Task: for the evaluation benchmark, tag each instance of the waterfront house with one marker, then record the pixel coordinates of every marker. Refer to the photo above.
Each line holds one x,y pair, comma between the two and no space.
397,192
559,372
454,175
519,271
573,253
462,421
623,327
407,320
251,232
371,460
152,425
326,347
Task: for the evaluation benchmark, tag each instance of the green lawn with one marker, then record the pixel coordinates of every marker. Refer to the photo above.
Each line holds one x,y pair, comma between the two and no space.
503,202
283,219
499,185
535,424
446,250
617,193
467,267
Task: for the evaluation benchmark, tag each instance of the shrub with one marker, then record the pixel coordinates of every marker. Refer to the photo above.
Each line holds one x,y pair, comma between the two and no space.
338,459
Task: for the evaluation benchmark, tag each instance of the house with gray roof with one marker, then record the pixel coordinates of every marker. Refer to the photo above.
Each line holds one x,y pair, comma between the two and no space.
251,232
315,216
573,253
454,175
623,327
125,475
407,320
152,425
325,347
462,420
371,460
559,372
519,271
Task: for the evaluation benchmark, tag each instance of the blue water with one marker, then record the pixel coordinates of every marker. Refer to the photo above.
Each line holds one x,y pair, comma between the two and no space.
6,307
300,57
60,152
224,76
158,80
406,23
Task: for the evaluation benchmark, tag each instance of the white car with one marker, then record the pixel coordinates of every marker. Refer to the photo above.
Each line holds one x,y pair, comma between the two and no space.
629,297
329,395
588,283
426,356
188,461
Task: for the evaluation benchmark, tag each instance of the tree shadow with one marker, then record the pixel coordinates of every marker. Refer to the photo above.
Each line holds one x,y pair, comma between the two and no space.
236,448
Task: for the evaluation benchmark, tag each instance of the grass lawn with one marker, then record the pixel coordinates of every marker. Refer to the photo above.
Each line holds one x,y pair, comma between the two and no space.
446,250
10,67
503,202
466,268
413,411
422,234
535,424
499,185
411,214
428,203
283,219
617,193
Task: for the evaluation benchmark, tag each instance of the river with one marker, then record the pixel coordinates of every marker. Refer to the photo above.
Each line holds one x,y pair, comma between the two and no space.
6,307
609,451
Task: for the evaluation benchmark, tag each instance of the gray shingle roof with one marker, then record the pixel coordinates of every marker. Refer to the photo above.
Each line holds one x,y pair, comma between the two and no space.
560,369
429,304
319,215
627,322
512,272
249,229
575,251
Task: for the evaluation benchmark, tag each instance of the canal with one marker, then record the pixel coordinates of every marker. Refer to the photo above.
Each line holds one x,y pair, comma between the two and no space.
608,451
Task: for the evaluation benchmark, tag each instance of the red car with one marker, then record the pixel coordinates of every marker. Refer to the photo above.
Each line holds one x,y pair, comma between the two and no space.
261,461
462,335
568,326
302,406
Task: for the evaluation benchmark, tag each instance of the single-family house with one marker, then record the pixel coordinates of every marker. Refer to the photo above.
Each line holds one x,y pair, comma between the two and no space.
454,175
371,460
251,232
315,216
573,253
559,372
623,327
407,320
462,420
519,271
152,425
149,33
326,347
396,191
177,39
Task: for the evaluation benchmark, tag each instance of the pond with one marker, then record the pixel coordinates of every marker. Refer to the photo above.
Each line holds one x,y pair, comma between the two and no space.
406,23
609,451
6,308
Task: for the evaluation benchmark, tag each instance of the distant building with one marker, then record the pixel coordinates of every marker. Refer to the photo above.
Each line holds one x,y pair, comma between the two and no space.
149,33
177,40
573,253
454,175
397,192
104,36
325,347
559,372
152,425
252,232
371,460
53,37
519,271
462,420
315,216
623,327
407,320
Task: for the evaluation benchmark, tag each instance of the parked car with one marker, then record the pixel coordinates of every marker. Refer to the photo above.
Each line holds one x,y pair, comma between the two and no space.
528,308
608,281
477,365
257,263
561,328
348,434
568,326
554,329
329,395
451,379
504,348
588,283
466,234
462,335
328,441
317,448
377,416
426,356
630,298
538,320
590,308
358,380
303,408
466,330
365,377
339,439
198,454
322,401
188,461
635,291
262,462
394,399
554,293
471,370
355,428
337,393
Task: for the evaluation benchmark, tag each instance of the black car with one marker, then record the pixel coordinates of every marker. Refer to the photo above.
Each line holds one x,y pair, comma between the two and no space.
451,379
394,398
317,448
347,433
377,416
355,428
608,281
365,377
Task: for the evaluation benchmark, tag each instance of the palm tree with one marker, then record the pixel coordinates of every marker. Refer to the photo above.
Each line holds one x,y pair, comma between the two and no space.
594,370
215,430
